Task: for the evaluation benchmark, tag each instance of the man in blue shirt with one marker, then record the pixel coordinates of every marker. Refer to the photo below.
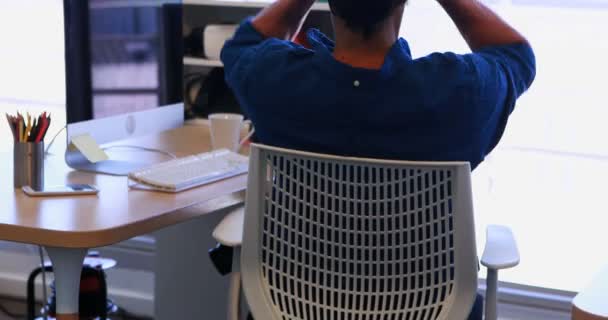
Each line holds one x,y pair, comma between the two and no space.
364,95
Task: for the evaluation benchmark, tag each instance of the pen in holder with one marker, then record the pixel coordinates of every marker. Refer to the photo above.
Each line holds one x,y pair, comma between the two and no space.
28,165
28,152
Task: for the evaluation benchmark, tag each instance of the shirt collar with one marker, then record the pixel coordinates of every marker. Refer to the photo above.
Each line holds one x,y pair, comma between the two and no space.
325,47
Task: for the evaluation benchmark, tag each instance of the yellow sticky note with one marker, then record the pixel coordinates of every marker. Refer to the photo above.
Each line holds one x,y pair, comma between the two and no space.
89,148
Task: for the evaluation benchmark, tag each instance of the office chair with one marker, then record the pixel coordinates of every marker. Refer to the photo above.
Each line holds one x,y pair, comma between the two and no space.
336,238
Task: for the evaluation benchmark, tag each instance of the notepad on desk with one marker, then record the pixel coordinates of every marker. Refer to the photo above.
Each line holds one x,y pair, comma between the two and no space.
189,172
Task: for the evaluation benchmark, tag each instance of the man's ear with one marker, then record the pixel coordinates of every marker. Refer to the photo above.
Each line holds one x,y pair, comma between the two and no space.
398,16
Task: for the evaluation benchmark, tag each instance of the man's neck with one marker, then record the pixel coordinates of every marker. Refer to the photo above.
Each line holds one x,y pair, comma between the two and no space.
359,51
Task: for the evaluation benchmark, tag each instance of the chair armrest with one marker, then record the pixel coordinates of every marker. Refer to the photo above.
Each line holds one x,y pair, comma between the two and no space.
501,249
229,232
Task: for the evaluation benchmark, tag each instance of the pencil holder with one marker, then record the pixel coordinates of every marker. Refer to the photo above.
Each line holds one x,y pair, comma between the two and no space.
28,165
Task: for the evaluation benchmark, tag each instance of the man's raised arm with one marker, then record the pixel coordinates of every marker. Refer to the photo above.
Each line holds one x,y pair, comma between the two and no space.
282,19
479,25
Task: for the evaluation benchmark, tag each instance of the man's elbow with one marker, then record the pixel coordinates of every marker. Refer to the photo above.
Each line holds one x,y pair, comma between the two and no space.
530,66
227,54
525,72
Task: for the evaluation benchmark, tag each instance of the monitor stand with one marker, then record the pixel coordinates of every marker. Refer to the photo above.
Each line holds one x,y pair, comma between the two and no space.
77,161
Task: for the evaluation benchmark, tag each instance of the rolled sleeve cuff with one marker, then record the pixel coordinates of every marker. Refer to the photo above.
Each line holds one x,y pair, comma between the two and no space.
245,36
245,39
247,31
519,59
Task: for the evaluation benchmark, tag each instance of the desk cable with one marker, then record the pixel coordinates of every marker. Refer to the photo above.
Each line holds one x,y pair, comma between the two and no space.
46,151
44,295
169,154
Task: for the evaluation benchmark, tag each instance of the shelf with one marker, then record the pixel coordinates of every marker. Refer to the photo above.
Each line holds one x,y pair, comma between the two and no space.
200,62
246,3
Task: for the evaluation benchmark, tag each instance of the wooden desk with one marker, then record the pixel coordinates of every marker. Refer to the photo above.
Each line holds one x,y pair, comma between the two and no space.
67,226
592,303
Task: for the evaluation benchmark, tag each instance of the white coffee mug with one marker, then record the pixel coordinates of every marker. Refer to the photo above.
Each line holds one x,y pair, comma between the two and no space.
226,131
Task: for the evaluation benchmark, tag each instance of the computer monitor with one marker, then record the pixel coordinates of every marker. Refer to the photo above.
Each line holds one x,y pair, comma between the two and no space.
123,73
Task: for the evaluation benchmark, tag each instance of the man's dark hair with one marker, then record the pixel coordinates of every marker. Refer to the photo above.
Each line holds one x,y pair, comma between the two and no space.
363,16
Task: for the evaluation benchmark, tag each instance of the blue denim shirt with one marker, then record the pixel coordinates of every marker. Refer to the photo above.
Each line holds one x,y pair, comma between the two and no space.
442,107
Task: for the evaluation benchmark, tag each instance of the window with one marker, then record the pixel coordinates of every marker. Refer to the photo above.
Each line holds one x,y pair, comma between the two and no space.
31,62
546,178
32,79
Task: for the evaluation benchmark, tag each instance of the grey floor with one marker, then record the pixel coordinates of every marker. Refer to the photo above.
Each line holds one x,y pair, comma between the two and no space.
17,309
12,309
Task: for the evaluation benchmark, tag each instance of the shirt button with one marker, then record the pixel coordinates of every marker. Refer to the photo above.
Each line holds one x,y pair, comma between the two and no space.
357,83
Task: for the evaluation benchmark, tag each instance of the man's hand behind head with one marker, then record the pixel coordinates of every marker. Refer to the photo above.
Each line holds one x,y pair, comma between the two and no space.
479,25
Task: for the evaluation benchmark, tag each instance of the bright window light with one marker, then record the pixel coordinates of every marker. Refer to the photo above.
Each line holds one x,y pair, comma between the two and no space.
32,65
546,179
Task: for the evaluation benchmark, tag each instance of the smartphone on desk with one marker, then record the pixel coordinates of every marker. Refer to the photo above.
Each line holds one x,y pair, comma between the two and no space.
64,190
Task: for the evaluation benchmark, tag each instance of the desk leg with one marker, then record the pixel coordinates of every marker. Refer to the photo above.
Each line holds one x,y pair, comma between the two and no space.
67,267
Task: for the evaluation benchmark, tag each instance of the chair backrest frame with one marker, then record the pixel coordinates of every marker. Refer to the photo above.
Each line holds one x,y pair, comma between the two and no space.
455,305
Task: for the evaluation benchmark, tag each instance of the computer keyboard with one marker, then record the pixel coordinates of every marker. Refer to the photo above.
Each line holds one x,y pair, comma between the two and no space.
192,171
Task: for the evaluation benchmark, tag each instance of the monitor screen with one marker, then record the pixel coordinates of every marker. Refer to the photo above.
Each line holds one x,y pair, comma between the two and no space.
121,56
125,54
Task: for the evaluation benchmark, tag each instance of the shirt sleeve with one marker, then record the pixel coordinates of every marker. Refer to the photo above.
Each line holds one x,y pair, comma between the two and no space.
502,74
510,67
240,52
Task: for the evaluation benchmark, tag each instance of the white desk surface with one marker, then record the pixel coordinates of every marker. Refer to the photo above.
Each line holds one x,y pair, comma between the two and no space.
117,213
